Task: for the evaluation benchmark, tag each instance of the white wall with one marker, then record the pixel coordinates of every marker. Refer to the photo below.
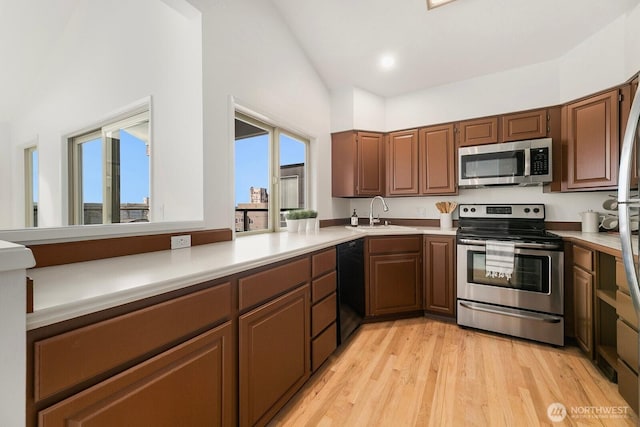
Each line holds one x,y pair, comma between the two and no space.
606,59
563,207
110,55
5,175
251,59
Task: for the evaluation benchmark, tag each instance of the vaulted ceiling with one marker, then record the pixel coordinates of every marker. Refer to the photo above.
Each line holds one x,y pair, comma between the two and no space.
344,39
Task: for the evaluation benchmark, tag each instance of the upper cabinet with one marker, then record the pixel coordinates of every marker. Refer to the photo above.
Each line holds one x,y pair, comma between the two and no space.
437,160
628,93
357,164
593,146
402,163
478,131
521,126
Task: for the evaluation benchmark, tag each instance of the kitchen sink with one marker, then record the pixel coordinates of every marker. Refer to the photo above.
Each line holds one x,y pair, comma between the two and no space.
370,229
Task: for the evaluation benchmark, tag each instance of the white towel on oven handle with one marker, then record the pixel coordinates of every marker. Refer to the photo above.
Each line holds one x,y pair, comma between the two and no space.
499,259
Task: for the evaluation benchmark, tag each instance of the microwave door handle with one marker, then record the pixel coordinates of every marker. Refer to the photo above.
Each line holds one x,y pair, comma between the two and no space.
527,161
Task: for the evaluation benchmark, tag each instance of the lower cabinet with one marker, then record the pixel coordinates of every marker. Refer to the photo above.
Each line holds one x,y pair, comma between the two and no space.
188,385
274,342
394,275
627,345
439,275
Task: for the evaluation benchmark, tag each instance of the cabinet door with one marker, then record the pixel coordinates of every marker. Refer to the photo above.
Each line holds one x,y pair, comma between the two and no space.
437,160
274,355
394,284
593,143
344,164
583,309
188,385
370,164
402,163
520,126
478,131
439,275
628,92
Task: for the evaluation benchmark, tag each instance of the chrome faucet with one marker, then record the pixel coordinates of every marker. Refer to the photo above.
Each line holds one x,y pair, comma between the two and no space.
372,220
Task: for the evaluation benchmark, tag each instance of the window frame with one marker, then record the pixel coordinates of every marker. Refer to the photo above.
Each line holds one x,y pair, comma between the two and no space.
275,133
29,219
102,131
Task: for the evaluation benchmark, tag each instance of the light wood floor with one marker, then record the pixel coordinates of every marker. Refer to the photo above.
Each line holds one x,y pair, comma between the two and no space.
423,372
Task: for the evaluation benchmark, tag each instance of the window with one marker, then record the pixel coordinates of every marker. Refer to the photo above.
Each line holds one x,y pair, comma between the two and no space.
31,186
109,172
270,174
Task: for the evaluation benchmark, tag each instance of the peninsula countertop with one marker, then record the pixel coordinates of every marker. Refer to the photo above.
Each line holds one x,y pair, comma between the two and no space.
67,291
71,290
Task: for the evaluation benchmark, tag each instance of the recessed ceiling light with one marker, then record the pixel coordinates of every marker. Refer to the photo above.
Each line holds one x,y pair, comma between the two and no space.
435,3
387,62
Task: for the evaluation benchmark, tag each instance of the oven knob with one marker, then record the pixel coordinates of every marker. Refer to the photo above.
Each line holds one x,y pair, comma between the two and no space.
536,210
473,209
465,210
527,210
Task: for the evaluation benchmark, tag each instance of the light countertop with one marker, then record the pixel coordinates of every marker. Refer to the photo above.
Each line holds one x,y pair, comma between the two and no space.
71,290
67,291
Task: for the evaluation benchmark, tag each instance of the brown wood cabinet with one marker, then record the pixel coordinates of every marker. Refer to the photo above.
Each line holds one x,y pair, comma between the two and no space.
628,92
593,147
627,335
478,131
123,366
357,164
402,163
393,275
437,164
190,384
274,358
521,126
583,282
324,307
439,275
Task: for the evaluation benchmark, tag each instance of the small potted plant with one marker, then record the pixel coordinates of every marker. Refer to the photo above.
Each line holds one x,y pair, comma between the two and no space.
302,225
293,219
312,221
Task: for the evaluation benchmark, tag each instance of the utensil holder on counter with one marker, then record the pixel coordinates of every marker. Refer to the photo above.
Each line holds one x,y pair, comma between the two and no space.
446,221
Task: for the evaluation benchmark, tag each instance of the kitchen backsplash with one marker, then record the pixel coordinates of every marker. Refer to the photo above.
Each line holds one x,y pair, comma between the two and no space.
563,207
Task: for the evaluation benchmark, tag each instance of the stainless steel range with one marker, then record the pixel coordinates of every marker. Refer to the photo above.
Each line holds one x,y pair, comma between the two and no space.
510,272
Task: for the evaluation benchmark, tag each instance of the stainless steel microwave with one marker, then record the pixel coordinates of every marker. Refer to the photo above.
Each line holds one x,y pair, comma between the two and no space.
510,163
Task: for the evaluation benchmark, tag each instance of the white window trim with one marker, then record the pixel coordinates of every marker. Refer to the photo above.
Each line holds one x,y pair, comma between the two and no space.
137,113
275,131
28,185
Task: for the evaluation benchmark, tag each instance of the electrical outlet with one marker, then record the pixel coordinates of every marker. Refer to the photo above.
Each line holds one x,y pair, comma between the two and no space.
183,241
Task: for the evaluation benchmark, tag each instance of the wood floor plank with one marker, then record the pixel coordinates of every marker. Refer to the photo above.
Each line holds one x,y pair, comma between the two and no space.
422,372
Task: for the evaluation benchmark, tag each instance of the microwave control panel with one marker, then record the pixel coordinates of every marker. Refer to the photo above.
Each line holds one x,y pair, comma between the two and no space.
540,161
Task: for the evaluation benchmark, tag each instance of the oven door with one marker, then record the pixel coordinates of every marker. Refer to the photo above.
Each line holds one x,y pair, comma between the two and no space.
536,283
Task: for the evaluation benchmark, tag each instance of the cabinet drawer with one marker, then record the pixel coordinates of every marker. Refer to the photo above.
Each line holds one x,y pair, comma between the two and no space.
394,244
145,394
627,340
621,277
75,356
625,309
323,286
323,313
323,262
323,345
628,385
260,287
583,257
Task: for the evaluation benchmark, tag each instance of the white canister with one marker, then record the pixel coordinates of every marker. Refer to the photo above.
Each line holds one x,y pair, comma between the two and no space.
446,221
590,221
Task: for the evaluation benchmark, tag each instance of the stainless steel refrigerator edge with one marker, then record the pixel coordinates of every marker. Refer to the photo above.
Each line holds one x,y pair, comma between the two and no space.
626,202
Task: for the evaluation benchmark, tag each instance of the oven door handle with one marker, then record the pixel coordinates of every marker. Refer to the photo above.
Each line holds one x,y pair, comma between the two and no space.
518,245
531,316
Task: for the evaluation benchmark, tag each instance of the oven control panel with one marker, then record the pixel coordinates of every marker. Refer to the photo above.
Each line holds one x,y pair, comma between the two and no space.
527,211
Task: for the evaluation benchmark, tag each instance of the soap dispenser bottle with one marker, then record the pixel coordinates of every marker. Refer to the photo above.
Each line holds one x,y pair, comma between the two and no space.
354,219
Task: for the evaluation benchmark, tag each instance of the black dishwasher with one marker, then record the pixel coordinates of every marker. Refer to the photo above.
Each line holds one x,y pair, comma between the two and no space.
350,287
